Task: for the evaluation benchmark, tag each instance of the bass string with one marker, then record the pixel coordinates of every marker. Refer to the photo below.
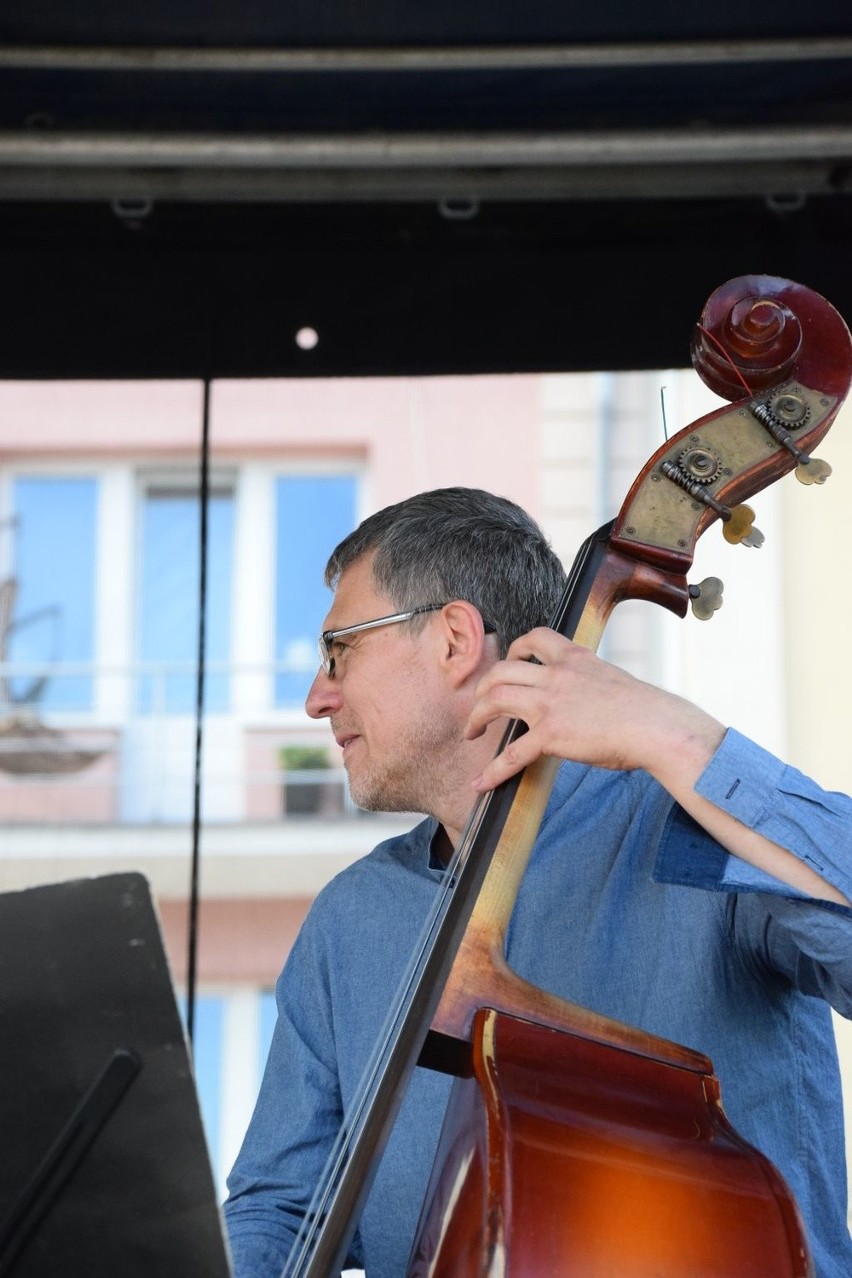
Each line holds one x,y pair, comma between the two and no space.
357,1115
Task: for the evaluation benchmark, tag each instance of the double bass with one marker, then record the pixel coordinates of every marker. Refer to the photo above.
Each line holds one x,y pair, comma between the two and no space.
574,1145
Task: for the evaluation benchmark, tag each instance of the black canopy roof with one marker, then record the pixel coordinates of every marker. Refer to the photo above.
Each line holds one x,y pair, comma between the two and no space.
445,187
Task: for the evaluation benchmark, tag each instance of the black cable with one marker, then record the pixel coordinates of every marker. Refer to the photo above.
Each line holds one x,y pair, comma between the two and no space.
192,956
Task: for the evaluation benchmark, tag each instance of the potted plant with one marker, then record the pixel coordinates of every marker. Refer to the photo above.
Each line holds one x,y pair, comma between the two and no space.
306,790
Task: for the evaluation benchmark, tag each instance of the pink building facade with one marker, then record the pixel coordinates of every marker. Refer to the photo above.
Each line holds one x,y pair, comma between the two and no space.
99,525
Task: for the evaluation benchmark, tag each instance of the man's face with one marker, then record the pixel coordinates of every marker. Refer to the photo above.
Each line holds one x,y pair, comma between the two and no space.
388,706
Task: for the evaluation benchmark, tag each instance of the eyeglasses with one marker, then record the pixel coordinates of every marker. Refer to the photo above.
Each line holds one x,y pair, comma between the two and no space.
328,637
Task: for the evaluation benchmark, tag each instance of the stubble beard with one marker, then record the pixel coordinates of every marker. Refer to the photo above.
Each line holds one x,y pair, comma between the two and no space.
413,778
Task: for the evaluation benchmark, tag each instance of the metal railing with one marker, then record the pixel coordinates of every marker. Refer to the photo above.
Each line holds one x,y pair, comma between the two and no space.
128,755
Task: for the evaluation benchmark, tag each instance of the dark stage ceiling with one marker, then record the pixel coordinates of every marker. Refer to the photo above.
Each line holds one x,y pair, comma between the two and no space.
434,188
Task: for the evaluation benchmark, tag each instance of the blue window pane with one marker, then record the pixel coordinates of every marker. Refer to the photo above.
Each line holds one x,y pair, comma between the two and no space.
55,543
208,1030
168,607
313,513
268,1017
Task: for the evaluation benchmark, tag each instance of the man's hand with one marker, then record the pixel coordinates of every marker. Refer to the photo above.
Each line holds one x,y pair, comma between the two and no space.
578,707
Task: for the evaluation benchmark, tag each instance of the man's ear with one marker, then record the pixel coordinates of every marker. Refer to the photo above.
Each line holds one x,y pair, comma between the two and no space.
465,649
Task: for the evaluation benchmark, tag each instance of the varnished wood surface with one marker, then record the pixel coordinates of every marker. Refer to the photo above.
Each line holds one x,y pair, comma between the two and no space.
606,1165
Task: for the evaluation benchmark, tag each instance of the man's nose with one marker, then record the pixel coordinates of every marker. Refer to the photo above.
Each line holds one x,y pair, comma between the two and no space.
324,696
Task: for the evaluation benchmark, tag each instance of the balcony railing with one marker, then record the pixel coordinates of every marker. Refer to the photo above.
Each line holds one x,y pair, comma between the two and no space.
127,756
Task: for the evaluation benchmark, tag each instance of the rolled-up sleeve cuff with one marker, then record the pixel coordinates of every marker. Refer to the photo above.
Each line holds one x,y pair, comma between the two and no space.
776,801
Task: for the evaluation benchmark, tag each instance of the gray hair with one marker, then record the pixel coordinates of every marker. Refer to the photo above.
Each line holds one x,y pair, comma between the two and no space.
459,543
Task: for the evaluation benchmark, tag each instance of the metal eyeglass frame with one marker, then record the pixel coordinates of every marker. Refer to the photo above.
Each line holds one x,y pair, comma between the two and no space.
328,637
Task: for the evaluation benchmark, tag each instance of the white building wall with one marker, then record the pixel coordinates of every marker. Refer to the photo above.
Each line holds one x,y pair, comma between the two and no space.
817,612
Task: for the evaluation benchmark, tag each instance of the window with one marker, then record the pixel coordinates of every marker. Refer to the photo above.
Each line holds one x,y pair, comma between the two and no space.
54,540
169,593
207,1064
267,1018
232,1033
312,514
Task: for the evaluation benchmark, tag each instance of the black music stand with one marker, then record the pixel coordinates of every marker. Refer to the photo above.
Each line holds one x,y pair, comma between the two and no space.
104,1170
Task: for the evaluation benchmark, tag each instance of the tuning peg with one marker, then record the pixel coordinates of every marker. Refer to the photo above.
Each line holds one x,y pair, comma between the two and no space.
706,597
739,528
812,471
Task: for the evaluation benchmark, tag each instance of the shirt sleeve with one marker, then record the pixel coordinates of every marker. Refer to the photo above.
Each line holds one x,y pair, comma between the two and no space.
776,801
807,940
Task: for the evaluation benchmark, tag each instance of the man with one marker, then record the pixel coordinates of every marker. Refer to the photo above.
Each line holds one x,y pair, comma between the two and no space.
683,880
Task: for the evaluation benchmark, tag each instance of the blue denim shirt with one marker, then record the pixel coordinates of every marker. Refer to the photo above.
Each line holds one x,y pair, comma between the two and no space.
628,908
